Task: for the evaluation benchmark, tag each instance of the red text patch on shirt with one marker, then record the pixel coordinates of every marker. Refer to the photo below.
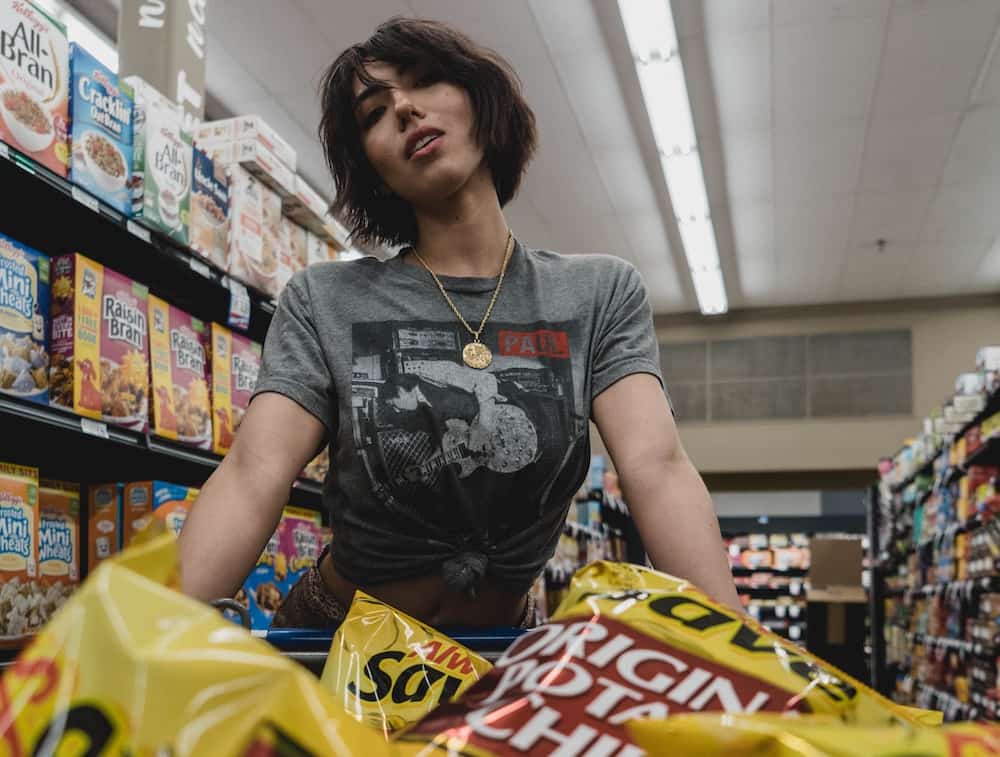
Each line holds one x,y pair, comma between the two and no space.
543,343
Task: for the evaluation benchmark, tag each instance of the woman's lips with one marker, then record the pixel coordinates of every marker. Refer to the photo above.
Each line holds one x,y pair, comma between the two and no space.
430,143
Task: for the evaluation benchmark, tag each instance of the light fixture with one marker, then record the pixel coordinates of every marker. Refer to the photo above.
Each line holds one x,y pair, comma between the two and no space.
652,38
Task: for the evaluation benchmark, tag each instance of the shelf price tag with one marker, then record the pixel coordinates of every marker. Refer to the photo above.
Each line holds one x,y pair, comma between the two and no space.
200,267
88,201
138,231
94,428
239,306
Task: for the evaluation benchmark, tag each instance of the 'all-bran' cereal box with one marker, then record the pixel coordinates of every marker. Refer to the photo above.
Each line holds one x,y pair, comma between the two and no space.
209,231
19,587
290,552
100,349
161,160
178,355
34,84
235,366
101,136
24,309
58,544
104,524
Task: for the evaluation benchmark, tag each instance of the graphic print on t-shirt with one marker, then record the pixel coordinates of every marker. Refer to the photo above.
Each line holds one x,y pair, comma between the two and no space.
436,436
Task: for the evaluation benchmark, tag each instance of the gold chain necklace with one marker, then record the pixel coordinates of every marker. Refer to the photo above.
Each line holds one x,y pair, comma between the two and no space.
476,354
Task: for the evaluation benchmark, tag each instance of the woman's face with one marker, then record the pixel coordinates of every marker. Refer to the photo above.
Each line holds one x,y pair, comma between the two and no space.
417,134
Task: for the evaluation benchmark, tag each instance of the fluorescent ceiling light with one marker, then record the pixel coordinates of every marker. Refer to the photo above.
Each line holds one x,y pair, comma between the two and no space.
652,37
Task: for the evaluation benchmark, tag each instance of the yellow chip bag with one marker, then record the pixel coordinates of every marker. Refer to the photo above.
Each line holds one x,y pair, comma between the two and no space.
629,643
809,736
131,666
389,670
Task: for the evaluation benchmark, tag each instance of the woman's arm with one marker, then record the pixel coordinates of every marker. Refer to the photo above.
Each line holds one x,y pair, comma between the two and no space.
240,505
666,496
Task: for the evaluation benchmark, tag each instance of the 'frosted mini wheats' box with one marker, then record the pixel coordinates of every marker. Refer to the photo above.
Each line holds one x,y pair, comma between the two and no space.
101,135
34,84
24,309
100,344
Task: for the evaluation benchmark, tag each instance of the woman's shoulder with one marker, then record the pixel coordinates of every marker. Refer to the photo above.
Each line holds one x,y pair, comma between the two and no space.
599,265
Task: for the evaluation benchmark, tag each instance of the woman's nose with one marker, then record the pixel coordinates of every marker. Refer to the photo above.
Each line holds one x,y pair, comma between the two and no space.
404,108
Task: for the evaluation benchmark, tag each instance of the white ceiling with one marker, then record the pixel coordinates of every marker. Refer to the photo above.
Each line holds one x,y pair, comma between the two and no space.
824,125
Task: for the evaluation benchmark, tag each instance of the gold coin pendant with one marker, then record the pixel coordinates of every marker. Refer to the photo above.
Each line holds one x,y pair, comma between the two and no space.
477,355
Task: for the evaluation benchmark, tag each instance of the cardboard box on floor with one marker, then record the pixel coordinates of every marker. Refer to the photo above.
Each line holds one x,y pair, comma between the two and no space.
835,570
836,608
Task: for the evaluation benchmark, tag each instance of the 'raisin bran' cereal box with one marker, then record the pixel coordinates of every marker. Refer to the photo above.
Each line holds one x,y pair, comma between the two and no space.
209,230
178,355
290,552
34,84
24,310
162,160
19,588
100,350
235,365
101,136
58,543
104,524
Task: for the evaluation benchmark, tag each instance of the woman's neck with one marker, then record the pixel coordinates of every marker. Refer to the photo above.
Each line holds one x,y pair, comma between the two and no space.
465,236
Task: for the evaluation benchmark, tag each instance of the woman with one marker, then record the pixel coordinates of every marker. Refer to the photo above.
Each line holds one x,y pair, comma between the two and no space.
454,382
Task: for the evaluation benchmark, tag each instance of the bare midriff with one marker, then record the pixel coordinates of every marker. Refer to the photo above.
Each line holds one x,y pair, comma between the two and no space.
427,598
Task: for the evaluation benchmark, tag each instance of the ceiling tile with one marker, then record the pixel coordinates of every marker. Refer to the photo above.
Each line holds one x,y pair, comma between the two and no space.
818,160
749,165
906,153
870,275
805,225
724,16
579,30
810,276
603,120
987,277
963,214
741,73
975,153
942,269
932,55
753,230
228,80
893,216
625,177
344,24
825,73
796,12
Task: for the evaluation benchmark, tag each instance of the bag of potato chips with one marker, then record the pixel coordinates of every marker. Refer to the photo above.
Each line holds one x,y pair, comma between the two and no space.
389,670
809,736
130,666
628,643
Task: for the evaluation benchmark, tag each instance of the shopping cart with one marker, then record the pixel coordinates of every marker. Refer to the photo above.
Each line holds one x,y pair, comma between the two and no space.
310,647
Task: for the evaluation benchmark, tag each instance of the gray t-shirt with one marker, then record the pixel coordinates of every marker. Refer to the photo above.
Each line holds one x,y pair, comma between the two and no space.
436,466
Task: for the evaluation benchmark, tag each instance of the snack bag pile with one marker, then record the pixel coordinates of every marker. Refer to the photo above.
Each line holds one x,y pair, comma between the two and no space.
130,666
777,736
389,670
629,643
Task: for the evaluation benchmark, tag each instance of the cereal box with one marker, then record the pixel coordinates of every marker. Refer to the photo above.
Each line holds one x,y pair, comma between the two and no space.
156,499
319,249
101,136
181,405
104,523
58,544
24,310
290,552
252,128
318,467
255,158
272,235
34,84
209,229
235,365
305,206
249,259
100,352
19,587
162,160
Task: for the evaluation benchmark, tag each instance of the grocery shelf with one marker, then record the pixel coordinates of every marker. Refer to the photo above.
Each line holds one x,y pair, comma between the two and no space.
987,454
924,469
78,222
64,445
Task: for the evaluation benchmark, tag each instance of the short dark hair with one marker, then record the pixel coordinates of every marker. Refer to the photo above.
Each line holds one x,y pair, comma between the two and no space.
504,124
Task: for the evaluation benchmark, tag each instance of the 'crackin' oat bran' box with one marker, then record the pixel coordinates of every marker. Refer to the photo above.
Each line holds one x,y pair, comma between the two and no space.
24,310
19,588
34,84
178,355
101,131
100,347
235,366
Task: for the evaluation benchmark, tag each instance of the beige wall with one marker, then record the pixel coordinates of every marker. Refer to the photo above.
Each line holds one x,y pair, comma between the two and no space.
946,335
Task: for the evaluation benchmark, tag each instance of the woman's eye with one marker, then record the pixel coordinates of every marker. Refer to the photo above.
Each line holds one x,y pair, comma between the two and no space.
373,116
